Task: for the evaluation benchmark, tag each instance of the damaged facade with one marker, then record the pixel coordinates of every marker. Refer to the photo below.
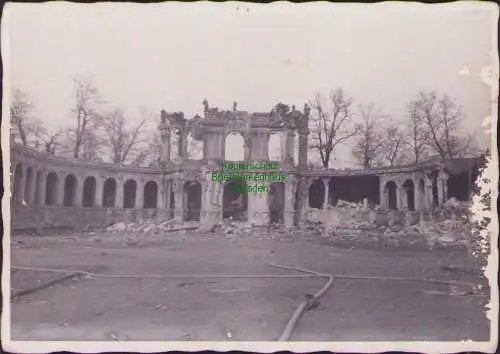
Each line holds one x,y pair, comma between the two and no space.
46,187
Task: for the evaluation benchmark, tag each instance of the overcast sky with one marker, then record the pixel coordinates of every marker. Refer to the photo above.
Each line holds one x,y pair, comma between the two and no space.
173,56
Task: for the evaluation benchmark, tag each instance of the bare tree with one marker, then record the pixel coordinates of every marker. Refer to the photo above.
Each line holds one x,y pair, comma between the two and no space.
369,142
87,102
441,119
149,152
330,123
47,141
23,125
415,132
122,138
392,146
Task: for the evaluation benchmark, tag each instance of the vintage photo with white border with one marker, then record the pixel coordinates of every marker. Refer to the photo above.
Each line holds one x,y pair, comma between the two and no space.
254,177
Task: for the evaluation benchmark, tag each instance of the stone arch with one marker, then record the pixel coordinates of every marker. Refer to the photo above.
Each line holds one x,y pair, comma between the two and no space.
192,194
39,188
29,186
129,194
18,187
109,193
276,202
390,194
234,147
70,189
316,194
150,195
274,146
51,185
89,191
409,188
235,200
421,192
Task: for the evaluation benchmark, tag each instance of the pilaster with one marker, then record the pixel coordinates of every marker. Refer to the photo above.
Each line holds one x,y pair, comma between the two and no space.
139,195
326,200
21,185
30,194
60,190
178,198
99,187
119,193
42,188
399,196
288,208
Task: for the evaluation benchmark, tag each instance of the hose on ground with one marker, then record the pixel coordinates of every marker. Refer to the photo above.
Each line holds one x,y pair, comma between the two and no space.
164,276
292,323
299,311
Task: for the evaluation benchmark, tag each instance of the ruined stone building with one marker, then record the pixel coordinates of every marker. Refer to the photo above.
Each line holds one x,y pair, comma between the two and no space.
52,191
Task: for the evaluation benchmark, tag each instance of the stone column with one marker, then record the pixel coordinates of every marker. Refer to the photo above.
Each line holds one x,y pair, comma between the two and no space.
289,201
60,191
441,190
181,144
185,144
119,193
165,144
290,143
99,188
263,147
185,200
428,192
309,182
213,209
399,196
179,198
205,190
42,190
443,187
326,200
168,195
258,208
21,184
30,197
161,197
221,145
416,195
139,195
283,147
264,141
79,192
382,194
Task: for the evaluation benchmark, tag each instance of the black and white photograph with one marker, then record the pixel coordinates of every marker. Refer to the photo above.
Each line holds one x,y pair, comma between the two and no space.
255,177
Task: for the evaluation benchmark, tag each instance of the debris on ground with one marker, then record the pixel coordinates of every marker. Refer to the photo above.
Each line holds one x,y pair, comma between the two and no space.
150,226
349,223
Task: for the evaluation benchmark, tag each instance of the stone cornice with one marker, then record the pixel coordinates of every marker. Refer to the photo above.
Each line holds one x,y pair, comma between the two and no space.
22,153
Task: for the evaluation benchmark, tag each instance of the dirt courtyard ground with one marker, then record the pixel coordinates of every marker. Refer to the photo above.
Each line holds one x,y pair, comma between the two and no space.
147,308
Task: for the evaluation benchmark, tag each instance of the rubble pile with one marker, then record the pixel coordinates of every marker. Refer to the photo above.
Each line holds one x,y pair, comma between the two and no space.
150,226
343,204
446,233
234,230
347,224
